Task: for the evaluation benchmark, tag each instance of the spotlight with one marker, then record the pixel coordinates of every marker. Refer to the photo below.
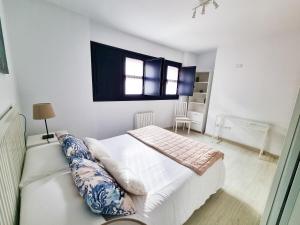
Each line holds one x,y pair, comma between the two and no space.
194,14
203,10
215,4
203,4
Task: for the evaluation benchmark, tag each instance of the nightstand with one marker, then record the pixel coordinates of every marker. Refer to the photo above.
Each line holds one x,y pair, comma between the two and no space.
36,140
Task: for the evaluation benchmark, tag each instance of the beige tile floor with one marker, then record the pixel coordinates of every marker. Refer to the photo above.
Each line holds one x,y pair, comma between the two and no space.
247,185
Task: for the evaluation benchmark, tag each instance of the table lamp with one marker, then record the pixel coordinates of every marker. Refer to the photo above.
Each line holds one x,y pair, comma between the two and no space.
44,111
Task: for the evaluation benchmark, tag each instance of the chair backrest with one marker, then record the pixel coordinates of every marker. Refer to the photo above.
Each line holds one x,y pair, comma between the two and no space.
181,109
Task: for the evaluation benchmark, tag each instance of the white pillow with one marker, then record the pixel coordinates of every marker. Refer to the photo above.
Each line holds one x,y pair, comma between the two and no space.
43,161
96,148
124,176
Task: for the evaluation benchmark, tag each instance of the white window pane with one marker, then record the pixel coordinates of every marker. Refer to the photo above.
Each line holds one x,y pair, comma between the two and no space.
171,88
133,86
172,73
134,67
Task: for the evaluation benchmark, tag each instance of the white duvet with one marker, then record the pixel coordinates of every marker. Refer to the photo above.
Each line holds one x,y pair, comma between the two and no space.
174,191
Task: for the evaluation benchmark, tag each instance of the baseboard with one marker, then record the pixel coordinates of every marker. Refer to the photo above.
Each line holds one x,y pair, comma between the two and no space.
245,146
250,148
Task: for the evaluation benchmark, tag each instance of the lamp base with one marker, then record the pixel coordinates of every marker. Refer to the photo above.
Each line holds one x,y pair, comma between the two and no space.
48,136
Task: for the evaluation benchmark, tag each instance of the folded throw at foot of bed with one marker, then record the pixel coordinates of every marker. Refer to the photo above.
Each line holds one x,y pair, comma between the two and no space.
190,153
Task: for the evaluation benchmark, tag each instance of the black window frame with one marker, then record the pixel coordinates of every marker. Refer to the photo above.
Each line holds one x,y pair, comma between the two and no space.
99,96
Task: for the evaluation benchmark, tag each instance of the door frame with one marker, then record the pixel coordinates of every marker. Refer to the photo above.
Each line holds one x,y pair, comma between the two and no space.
285,172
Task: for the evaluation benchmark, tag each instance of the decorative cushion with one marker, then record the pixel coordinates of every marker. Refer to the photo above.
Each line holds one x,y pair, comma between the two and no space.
74,148
99,190
61,135
124,176
96,148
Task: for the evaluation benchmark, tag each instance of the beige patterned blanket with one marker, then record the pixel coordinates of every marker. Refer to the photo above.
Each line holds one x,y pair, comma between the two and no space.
192,154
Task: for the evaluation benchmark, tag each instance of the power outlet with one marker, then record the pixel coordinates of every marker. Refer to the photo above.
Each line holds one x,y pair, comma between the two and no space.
239,65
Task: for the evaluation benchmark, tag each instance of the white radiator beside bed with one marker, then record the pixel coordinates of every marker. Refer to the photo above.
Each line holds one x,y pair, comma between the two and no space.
143,119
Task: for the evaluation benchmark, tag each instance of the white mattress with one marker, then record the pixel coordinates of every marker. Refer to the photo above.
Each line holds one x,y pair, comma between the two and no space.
174,191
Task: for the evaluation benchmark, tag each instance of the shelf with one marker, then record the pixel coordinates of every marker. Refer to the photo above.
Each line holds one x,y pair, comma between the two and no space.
191,111
202,93
199,103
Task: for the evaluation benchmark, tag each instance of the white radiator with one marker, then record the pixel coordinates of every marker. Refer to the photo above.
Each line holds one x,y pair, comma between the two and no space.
143,119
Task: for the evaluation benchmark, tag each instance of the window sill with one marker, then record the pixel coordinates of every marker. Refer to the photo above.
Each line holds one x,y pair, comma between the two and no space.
137,98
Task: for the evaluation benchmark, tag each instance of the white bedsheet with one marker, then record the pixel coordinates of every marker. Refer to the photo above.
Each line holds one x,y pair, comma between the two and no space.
174,191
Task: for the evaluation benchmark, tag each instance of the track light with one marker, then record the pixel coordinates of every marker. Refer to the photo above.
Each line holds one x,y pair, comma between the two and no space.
203,4
194,14
203,10
215,4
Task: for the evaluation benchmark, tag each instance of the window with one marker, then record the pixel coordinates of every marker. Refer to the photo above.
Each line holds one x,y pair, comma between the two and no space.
134,72
172,78
122,75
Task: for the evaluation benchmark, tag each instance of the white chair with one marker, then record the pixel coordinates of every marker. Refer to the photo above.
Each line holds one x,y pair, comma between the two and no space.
181,109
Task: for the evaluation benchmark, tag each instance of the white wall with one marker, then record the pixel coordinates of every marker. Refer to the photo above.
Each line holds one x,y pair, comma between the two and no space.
105,35
8,95
189,59
258,80
52,54
206,61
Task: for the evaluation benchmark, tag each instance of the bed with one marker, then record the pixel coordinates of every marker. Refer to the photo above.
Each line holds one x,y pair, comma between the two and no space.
49,196
174,191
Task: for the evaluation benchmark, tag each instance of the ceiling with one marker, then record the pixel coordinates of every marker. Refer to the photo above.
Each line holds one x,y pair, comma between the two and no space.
169,22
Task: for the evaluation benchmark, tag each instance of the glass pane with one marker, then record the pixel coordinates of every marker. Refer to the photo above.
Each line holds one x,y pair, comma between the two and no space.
172,73
134,67
171,88
133,86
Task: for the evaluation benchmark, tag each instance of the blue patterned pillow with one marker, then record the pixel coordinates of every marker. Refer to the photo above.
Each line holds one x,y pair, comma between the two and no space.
61,137
75,148
100,191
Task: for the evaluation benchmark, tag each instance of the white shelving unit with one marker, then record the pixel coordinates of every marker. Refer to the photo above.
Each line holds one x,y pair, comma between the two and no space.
198,103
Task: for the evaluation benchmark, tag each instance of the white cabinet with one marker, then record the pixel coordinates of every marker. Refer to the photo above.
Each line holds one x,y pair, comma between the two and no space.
197,117
199,102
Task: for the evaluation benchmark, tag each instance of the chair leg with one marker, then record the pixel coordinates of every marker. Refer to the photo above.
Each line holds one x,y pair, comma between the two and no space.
176,127
189,128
